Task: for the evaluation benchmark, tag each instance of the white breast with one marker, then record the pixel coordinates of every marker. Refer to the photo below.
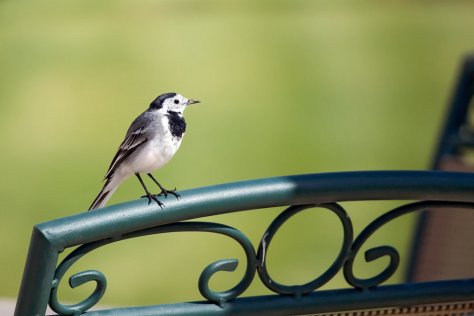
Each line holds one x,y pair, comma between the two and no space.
156,152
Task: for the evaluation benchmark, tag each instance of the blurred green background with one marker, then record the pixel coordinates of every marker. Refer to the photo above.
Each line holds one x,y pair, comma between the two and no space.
287,87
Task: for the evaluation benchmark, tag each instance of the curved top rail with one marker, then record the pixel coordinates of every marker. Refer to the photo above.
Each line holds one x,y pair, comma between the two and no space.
119,219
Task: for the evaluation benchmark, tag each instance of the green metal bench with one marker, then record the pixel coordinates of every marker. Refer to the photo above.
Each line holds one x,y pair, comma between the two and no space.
301,193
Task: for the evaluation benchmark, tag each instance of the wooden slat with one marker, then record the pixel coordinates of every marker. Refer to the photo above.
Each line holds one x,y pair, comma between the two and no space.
444,309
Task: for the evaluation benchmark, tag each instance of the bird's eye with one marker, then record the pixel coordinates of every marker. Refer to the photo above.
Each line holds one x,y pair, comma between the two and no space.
176,101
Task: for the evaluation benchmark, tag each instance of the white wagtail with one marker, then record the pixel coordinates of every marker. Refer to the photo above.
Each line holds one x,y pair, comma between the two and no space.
150,142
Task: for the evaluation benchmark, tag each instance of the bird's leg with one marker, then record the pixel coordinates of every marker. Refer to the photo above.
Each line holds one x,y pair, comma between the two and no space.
148,194
163,190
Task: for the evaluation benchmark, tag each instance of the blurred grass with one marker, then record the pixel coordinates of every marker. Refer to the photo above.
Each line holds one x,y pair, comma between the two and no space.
287,87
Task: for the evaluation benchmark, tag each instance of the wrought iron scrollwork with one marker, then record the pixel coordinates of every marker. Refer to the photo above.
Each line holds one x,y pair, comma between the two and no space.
77,280
93,275
322,279
256,261
391,252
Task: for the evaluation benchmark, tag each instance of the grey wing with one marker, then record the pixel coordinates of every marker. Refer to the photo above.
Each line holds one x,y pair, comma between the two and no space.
137,135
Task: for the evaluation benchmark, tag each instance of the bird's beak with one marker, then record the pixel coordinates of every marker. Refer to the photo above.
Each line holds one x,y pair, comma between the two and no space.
191,101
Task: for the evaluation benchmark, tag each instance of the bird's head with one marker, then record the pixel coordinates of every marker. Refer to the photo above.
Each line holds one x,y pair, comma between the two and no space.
171,102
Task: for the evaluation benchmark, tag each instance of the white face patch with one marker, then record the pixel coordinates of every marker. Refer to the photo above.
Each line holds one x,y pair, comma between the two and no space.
176,104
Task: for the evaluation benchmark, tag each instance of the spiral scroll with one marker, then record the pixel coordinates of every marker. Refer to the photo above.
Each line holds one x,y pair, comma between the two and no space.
93,275
391,252
326,276
77,280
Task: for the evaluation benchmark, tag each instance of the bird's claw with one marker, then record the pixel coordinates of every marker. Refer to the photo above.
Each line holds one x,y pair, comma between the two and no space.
165,192
152,197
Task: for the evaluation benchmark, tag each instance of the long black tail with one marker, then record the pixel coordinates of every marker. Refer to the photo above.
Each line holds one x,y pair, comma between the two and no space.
104,195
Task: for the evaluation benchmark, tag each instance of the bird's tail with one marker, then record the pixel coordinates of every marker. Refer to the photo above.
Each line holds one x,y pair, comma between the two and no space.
104,195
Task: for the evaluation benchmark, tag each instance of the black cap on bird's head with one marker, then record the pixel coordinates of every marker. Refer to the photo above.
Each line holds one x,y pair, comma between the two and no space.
158,102
171,102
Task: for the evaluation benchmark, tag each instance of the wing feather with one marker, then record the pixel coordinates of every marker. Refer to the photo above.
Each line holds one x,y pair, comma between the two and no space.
137,135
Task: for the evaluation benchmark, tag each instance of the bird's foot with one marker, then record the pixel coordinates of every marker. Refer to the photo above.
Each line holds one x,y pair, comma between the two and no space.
172,192
150,197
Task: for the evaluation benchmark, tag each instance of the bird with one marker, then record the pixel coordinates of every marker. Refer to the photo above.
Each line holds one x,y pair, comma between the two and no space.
150,142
